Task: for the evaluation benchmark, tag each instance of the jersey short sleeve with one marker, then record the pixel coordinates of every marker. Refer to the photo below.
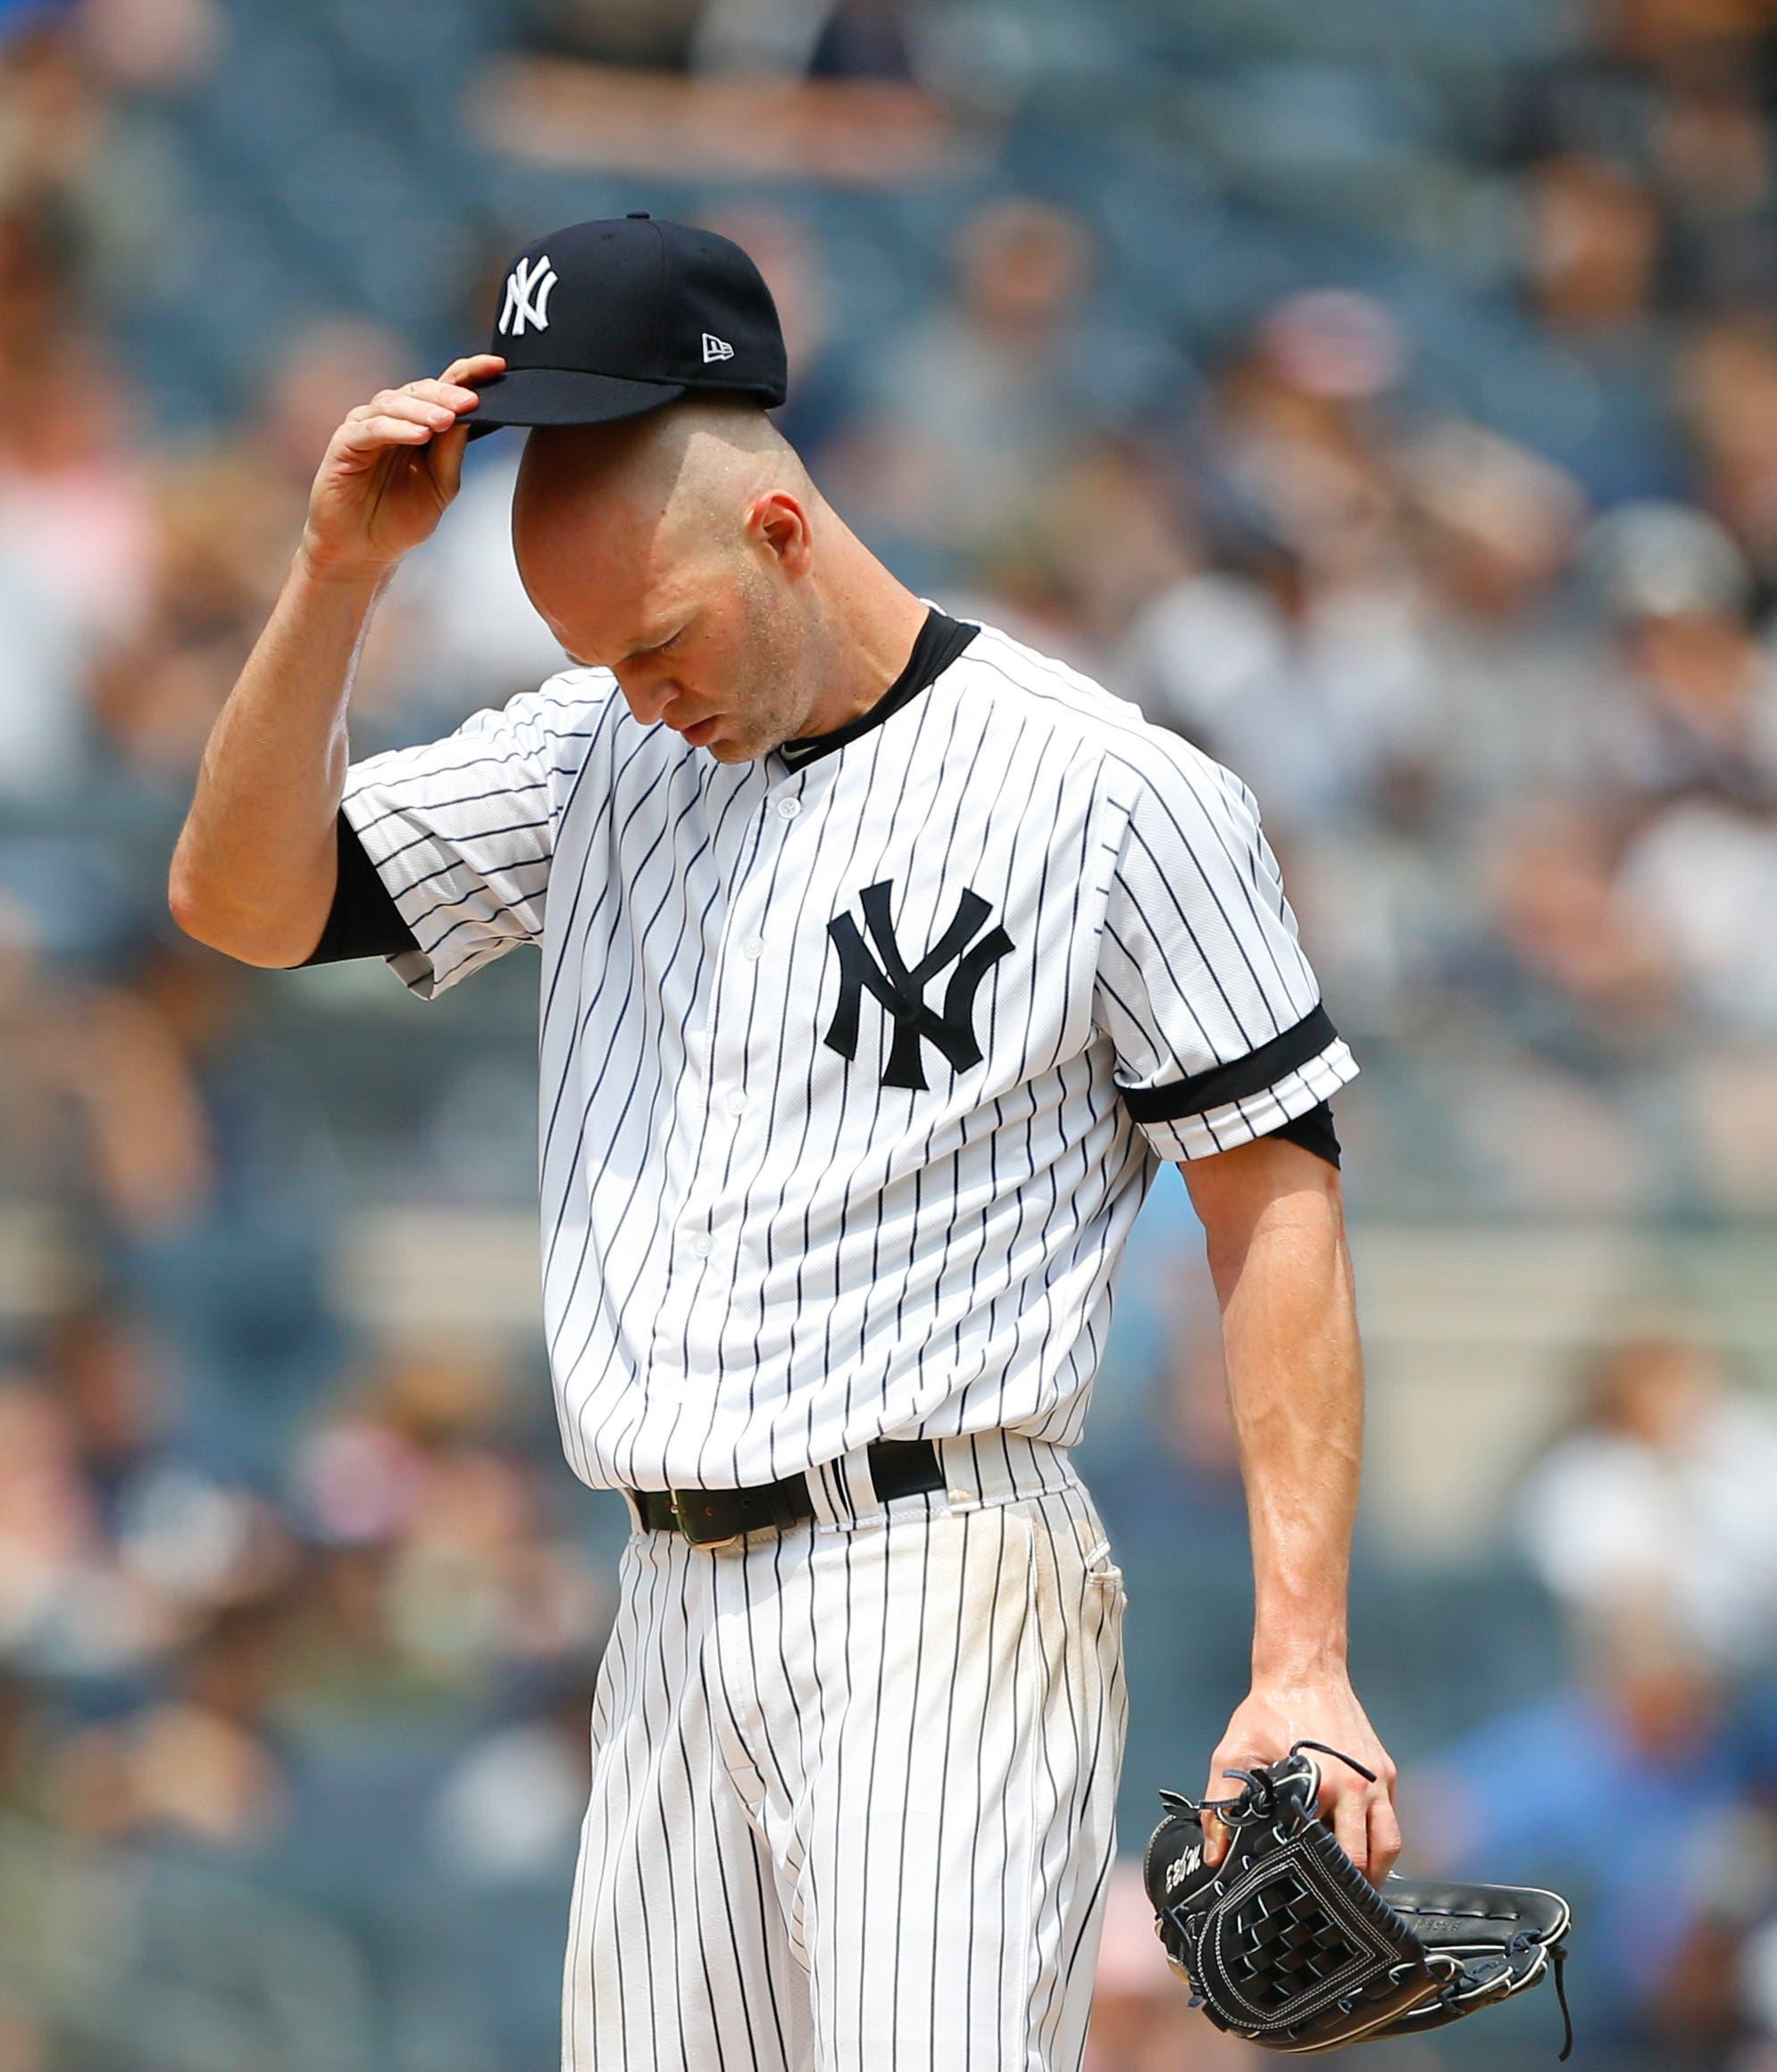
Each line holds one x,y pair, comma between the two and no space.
1211,1007
461,832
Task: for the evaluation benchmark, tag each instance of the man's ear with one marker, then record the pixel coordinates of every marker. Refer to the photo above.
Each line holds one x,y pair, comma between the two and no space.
779,524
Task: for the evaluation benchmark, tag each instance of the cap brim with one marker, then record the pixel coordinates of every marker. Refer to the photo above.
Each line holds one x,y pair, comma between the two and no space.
534,395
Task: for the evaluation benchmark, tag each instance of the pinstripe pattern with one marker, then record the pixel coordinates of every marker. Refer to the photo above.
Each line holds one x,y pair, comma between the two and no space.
757,1256
853,1783
853,1789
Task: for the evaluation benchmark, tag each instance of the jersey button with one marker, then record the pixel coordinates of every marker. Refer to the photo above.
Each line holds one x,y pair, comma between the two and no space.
703,1244
736,1103
788,809
753,946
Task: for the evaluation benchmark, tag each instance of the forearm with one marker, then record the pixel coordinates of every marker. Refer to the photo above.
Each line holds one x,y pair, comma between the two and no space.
1295,1380
253,871
1275,1220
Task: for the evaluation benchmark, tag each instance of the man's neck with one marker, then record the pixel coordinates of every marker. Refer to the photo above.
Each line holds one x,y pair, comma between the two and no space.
869,622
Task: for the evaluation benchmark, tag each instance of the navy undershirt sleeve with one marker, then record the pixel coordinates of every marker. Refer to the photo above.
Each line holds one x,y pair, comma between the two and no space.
1313,1132
364,920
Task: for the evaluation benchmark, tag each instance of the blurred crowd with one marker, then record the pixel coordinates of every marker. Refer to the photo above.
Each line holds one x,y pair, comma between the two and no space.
1444,509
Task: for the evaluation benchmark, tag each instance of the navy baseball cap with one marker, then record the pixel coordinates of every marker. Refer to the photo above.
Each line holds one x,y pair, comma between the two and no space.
607,319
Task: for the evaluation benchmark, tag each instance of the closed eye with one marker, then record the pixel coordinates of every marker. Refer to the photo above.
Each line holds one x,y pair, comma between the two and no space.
652,648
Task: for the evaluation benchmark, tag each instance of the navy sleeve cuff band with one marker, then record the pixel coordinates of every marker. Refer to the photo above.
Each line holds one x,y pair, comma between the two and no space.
1256,1073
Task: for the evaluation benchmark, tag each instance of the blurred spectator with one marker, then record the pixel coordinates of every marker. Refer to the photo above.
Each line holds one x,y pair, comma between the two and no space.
77,550
84,167
439,1566
867,39
1700,709
1727,387
823,40
832,39
200,1767
1704,873
1317,699
1296,438
164,1109
1712,157
1084,561
1595,244
49,114
148,46
1311,681
192,1542
1566,961
968,421
190,1166
231,519
1689,744
511,1811
1546,1794
652,33
68,1606
1595,382
1495,529
1661,1497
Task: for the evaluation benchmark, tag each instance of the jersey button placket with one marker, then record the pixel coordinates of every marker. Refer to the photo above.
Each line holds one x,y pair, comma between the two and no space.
724,1059
734,1105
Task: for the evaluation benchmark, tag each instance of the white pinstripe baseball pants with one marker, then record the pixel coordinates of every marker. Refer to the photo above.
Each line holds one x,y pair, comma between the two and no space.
854,1784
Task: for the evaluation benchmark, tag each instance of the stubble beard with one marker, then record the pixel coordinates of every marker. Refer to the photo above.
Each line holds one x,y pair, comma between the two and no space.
773,708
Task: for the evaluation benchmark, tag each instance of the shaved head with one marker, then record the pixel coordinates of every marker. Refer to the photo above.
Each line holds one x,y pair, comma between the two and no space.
675,549
672,471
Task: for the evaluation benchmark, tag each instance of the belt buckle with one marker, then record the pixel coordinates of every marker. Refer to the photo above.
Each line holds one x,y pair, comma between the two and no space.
685,1524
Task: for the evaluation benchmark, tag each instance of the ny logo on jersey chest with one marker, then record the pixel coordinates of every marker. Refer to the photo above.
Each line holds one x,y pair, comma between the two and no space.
900,986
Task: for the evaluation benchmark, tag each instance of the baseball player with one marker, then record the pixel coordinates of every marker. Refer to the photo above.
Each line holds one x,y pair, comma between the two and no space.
883,961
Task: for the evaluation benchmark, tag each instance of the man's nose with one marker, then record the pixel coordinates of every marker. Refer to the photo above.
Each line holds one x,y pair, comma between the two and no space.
648,696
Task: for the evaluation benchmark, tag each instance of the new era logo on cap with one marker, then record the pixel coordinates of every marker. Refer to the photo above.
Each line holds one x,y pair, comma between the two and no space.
607,319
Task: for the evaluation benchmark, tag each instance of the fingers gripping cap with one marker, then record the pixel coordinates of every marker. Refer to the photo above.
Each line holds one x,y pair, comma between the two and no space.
607,319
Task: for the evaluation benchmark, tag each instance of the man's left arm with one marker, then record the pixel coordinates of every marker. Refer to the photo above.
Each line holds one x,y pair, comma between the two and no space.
1273,1218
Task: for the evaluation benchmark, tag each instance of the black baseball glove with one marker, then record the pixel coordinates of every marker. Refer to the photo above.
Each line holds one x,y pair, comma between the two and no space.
1287,1944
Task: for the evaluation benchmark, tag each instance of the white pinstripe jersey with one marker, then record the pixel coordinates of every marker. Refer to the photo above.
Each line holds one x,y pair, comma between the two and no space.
855,1071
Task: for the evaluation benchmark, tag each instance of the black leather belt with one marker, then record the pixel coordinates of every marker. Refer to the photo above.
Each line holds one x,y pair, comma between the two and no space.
897,1466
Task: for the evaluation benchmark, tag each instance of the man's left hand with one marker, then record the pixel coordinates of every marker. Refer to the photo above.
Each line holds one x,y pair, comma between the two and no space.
1279,1711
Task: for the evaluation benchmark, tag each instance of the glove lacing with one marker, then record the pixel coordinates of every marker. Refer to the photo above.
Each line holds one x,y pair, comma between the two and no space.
1258,1802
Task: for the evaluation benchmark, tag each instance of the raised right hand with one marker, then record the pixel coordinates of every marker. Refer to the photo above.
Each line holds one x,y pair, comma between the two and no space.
390,470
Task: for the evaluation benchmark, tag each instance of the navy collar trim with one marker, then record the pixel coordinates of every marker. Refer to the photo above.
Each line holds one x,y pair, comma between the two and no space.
940,641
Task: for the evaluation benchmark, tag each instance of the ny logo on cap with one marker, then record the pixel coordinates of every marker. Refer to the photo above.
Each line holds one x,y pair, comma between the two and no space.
527,301
901,988
716,348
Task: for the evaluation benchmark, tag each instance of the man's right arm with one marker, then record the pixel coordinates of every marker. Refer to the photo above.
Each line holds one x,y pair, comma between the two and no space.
255,868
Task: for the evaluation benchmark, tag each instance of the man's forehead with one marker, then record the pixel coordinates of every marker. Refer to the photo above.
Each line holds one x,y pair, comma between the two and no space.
614,631
617,607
